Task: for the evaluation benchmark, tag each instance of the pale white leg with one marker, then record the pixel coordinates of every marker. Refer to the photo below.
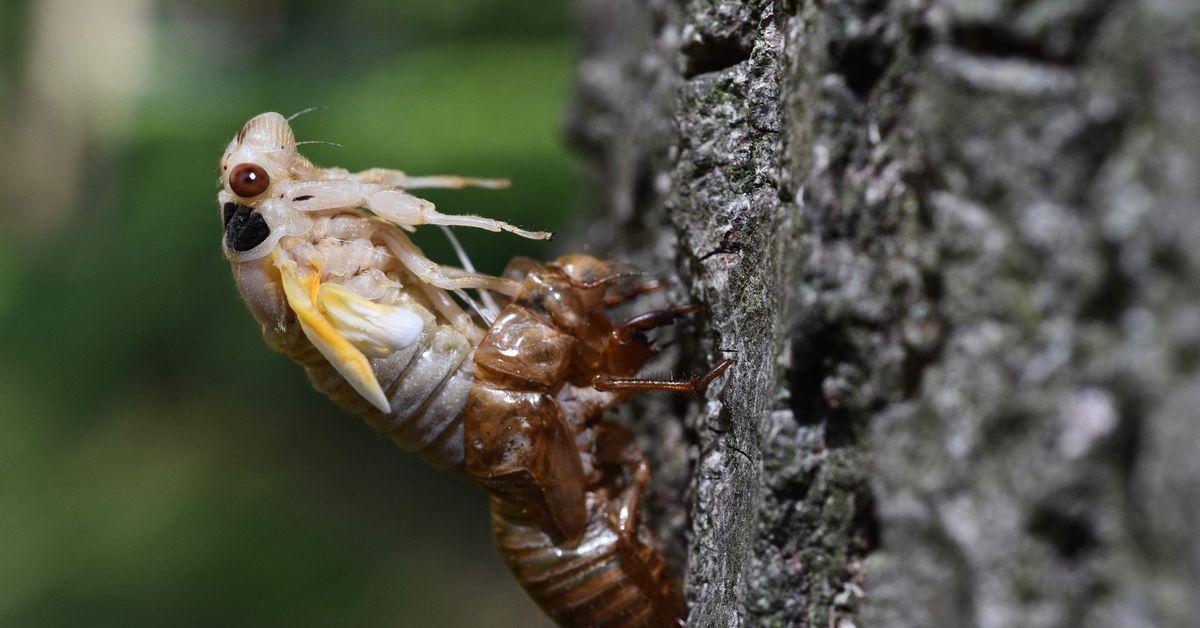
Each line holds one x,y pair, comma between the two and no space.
429,272
479,222
385,176
405,209
452,182
395,206
399,179
509,286
452,312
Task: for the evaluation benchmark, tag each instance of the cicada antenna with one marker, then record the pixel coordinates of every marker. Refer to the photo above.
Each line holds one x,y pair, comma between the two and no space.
326,142
304,111
308,110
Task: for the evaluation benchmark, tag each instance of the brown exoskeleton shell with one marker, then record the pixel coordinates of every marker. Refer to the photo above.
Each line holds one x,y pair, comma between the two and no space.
570,531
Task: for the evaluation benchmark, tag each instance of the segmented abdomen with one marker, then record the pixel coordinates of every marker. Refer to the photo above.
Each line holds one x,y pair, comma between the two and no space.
600,580
427,385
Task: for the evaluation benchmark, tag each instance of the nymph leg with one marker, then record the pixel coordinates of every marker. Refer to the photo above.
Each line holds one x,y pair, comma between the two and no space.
643,566
616,446
616,297
692,384
652,319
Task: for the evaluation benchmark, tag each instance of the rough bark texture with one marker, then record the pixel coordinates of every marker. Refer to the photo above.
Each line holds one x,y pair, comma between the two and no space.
954,247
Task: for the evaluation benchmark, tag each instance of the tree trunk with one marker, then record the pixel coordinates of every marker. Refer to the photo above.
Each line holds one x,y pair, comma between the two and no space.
954,248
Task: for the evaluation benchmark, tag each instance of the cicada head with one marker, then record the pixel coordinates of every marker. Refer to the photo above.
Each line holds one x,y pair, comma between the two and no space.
260,156
258,161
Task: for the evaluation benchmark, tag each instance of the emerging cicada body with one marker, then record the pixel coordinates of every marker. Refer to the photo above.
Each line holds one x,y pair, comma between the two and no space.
510,398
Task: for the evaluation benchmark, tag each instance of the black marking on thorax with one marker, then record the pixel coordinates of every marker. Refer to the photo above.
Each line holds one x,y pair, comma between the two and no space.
244,227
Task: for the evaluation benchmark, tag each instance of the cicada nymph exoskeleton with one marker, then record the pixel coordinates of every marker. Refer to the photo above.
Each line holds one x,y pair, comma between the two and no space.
507,388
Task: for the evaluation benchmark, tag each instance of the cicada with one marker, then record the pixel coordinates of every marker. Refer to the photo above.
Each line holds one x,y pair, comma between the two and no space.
507,388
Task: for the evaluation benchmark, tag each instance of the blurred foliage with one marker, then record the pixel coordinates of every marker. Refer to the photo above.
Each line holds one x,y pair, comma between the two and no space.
160,465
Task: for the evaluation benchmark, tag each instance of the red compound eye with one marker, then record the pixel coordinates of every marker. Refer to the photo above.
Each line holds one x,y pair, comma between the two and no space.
249,180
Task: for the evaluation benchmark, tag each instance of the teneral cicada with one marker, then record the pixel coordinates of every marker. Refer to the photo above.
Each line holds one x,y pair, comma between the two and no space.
507,388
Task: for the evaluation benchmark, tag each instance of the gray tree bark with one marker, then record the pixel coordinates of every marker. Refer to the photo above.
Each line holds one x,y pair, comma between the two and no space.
953,247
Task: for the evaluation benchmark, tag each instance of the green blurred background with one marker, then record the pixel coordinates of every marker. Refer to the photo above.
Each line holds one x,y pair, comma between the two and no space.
158,465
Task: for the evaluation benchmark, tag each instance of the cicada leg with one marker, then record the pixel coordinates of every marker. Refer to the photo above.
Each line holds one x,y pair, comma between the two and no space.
614,445
618,296
448,279
391,203
400,179
654,318
454,182
401,208
641,563
452,312
690,385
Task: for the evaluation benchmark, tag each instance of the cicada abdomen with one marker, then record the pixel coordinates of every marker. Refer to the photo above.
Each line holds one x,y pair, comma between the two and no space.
605,577
425,382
